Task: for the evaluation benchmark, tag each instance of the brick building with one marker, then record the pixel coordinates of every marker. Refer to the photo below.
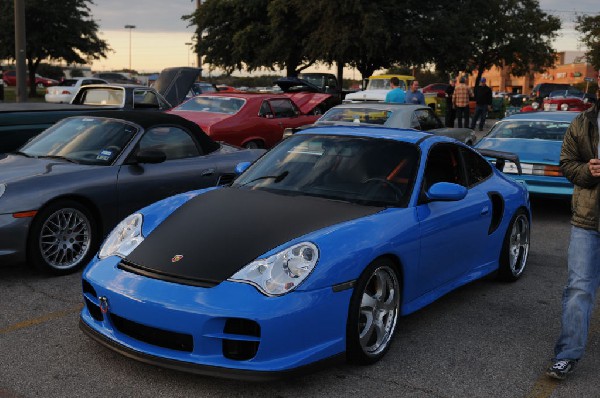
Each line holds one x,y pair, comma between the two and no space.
570,68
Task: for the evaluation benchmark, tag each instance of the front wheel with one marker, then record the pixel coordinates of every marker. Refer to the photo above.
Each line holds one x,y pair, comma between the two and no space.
515,248
63,238
373,313
253,145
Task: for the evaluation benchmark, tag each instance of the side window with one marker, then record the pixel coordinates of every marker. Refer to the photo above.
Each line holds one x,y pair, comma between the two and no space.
145,99
443,165
283,108
265,110
173,141
426,119
478,169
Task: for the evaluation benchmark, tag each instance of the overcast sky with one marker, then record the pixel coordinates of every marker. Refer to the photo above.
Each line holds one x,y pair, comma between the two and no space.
159,37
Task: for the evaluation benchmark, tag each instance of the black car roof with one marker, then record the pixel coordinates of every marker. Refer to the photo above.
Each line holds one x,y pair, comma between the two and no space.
147,119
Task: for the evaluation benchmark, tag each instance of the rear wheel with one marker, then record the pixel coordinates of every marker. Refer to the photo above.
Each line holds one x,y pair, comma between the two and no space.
373,313
63,238
515,249
253,144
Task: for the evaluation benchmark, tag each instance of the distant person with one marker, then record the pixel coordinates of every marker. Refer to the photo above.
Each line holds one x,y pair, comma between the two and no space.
414,95
483,104
460,100
580,164
450,111
396,94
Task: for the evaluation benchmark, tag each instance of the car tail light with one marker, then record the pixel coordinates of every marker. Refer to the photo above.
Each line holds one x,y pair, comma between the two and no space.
547,170
66,92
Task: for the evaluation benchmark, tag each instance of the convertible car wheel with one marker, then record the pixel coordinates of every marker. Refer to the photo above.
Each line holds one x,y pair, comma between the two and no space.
515,248
63,238
373,315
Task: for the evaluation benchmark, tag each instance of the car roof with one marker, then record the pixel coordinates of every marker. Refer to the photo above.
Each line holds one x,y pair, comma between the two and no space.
384,106
259,96
404,135
147,119
555,116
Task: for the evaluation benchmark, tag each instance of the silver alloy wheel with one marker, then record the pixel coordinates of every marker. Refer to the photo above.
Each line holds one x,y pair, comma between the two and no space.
65,238
379,309
518,246
251,145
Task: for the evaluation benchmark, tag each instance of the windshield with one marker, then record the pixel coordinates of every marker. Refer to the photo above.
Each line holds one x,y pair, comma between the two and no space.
84,140
356,115
543,130
68,83
566,93
225,105
383,84
362,170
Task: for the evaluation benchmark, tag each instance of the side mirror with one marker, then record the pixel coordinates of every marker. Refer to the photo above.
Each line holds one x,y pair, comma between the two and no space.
152,156
446,191
241,167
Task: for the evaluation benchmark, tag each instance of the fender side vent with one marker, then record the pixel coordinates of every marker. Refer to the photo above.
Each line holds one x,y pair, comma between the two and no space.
497,211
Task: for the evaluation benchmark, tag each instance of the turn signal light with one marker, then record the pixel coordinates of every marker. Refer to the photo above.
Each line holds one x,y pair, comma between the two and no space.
547,170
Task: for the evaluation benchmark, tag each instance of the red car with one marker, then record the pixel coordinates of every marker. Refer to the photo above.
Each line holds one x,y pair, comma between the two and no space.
561,100
10,79
246,120
438,88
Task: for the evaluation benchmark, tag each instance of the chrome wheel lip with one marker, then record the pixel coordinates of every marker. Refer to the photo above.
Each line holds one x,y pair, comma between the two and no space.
518,247
378,312
65,238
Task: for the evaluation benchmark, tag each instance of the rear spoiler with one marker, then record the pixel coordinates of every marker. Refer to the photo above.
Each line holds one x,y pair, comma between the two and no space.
501,158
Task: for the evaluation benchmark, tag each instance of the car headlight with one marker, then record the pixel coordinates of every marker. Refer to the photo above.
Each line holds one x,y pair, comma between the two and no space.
2,189
124,238
282,272
564,107
535,105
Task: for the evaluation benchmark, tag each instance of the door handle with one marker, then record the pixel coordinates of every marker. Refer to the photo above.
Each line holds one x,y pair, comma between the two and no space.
207,172
485,210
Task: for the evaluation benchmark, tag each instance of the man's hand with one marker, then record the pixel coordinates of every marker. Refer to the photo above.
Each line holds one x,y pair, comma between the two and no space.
594,166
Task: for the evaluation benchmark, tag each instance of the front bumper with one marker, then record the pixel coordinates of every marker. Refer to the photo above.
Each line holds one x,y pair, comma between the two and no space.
13,239
190,328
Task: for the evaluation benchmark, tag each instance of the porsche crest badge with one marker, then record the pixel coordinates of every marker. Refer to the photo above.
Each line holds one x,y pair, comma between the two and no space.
176,258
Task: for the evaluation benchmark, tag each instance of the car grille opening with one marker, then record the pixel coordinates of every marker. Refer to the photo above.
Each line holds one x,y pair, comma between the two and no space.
240,349
94,310
158,337
226,179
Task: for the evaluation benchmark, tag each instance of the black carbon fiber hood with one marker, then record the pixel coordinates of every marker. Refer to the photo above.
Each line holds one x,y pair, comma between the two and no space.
214,235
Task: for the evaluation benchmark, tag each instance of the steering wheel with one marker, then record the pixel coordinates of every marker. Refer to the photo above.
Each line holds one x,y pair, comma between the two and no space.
398,192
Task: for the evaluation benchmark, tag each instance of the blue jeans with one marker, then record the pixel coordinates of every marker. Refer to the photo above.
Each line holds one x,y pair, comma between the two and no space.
580,293
481,114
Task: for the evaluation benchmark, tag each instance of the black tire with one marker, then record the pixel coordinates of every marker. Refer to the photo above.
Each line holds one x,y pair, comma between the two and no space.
63,238
253,145
515,248
376,296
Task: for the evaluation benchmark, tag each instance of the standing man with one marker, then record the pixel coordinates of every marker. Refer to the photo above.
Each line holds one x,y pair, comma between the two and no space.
580,164
450,111
396,94
483,103
460,100
414,95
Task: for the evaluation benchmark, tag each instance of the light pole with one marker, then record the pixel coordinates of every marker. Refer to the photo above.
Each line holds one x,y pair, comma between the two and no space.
190,44
130,27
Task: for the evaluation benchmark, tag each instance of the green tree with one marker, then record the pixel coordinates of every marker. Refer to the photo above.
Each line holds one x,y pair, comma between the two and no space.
250,34
60,33
516,33
589,27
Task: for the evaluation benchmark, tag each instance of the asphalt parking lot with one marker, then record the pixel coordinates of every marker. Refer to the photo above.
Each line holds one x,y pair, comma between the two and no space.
487,339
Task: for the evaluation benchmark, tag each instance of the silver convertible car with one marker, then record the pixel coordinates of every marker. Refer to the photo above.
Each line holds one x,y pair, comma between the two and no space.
404,116
64,190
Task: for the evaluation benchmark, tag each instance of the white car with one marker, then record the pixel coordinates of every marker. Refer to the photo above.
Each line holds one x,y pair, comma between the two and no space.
65,91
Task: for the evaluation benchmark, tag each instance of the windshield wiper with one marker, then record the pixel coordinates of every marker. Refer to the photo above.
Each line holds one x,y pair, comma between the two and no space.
276,178
22,154
59,158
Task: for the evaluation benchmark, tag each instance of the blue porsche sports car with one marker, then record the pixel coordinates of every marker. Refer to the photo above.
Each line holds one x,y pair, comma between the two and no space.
311,255
536,137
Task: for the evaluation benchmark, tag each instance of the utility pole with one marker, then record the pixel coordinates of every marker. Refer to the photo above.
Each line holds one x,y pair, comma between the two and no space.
20,50
130,27
198,56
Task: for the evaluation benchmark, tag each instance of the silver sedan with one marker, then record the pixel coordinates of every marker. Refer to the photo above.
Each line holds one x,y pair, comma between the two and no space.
406,116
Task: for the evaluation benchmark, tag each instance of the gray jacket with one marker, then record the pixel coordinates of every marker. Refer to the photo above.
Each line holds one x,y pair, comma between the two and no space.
579,146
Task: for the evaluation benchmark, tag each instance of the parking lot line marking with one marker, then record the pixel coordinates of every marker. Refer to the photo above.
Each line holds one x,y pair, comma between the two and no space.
36,321
544,385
